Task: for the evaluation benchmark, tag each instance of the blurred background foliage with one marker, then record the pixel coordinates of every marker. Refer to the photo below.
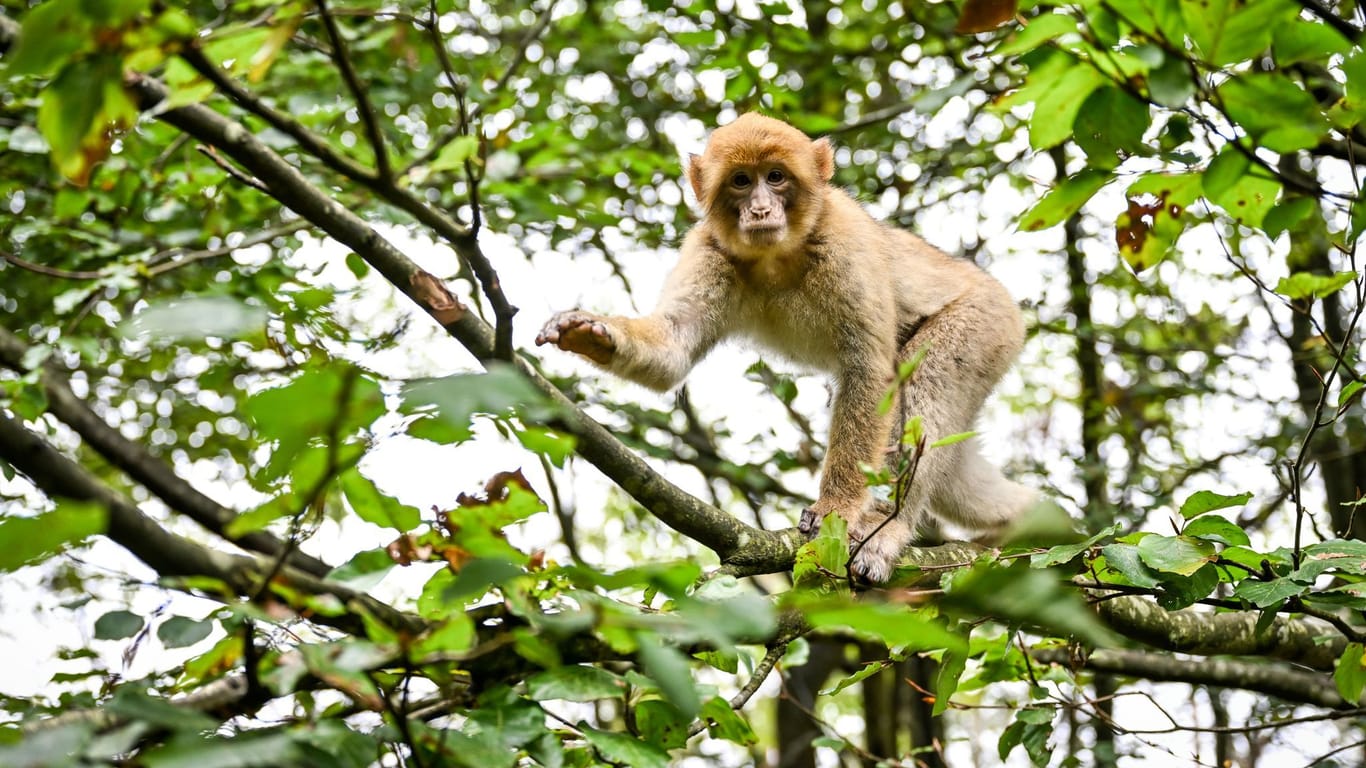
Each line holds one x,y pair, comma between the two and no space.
1171,188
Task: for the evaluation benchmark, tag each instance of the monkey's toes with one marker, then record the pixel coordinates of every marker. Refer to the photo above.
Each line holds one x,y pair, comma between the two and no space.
875,560
809,524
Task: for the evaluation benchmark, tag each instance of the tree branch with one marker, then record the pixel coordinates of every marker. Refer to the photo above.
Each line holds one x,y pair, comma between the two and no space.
171,555
142,466
461,238
1303,641
1280,680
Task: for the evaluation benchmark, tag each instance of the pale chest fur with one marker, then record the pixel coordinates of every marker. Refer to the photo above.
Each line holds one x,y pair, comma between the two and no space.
796,313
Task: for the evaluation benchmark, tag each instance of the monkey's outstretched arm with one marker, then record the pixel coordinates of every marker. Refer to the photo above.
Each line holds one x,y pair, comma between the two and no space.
659,349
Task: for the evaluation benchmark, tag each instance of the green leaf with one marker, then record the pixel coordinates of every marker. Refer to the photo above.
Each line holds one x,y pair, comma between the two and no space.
859,675
1302,285
247,751
135,704
28,540
951,666
951,439
1215,528
1171,83
1181,591
364,570
1229,31
1064,200
670,670
1020,594
1125,559
320,402
1225,171
1056,108
661,724
1342,556
452,157
1305,40
1176,554
1065,553
1154,219
182,632
117,625
51,33
1201,502
1039,30
1249,199
1350,675
451,402
375,507
1031,728
1272,109
828,552
625,749
725,723
1267,593
1286,214
555,446
453,634
1349,390
575,683
197,317
1110,127
896,625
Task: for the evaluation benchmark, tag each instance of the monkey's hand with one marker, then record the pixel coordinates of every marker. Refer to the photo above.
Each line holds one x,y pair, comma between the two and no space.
849,509
578,331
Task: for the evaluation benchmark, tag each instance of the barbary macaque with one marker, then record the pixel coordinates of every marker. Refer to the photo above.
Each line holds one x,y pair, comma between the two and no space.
785,259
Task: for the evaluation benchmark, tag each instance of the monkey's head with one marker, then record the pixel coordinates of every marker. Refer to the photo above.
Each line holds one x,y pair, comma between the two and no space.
761,183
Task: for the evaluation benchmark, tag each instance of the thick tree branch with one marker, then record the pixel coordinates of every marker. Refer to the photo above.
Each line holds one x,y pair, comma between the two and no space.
1280,680
166,553
142,466
1304,641
463,239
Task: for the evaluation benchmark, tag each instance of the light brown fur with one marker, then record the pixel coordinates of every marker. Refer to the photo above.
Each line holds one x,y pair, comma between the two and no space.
787,260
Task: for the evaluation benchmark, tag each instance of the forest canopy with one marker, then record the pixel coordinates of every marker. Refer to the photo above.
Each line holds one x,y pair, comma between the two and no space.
285,481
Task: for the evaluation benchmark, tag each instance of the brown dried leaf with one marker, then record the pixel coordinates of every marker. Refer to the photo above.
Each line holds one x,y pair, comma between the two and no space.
984,15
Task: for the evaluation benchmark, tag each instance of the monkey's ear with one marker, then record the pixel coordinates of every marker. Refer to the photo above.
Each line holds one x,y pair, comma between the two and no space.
825,158
695,177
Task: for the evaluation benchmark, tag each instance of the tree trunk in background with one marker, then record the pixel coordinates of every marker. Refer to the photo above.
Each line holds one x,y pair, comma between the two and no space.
796,729
1340,453
899,720
1091,402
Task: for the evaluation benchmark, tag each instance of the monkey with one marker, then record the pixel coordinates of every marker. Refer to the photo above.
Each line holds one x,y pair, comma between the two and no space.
783,258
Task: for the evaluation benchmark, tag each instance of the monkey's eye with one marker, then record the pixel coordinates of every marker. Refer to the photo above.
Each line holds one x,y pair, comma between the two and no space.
776,176
740,180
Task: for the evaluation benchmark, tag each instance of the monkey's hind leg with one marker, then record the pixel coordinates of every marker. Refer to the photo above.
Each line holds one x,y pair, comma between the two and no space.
978,497
968,346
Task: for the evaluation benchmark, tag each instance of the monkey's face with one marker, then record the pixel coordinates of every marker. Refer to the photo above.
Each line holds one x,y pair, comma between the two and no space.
760,198
762,183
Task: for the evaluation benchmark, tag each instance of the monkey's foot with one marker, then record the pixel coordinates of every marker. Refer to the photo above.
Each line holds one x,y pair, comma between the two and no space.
580,332
876,560
876,545
810,523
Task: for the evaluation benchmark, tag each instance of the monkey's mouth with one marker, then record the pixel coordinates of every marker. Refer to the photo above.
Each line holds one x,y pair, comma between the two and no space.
767,228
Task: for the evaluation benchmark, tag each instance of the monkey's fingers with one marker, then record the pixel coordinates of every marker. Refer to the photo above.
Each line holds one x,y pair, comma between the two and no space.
590,340
810,523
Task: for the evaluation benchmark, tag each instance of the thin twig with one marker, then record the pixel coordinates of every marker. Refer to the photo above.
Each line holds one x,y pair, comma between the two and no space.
46,271
367,111
740,699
